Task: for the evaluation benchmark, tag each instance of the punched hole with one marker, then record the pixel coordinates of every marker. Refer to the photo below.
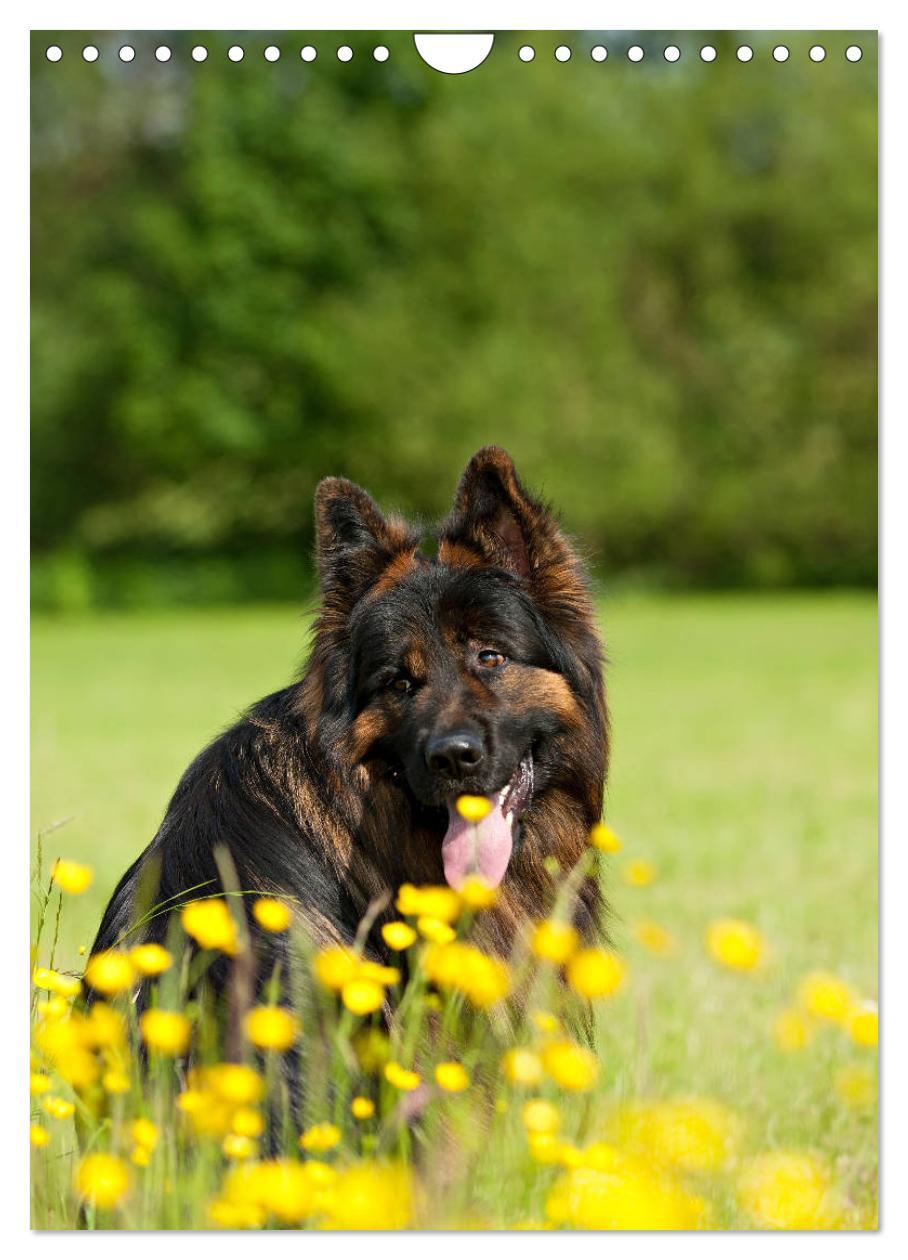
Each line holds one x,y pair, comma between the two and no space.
599,53
817,53
236,53
89,53
562,53
308,53
745,53
672,53
635,53
854,52
526,53
381,53
200,53
54,53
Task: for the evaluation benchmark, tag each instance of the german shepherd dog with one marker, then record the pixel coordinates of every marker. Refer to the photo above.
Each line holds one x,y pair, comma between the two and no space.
477,670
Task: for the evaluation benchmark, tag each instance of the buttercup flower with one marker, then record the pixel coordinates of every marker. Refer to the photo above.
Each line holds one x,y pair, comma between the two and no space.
595,973
788,1190
115,1082
247,1122
855,1085
400,1077
72,877
362,1108
272,1027
476,894
694,1135
150,959
826,996
452,1077
569,1065
362,997
56,982
144,1132
102,1180
639,873
165,1032
370,1196
483,980
271,914
321,1137
473,808
864,1024
398,935
435,901
522,1067
540,1116
239,1146
604,839
435,930
625,1197
235,1082
554,941
654,938
209,923
58,1108
735,944
39,1083
791,1030
110,972
38,1135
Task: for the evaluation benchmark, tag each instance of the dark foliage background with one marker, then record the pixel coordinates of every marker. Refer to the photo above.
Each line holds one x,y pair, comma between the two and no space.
655,284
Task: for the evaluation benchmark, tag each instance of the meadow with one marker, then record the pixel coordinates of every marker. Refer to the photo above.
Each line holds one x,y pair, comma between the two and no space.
742,787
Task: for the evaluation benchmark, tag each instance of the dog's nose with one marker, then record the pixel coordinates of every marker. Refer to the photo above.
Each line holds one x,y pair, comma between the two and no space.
454,754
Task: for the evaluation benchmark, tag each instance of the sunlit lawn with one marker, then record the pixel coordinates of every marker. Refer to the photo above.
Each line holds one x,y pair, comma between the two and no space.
744,767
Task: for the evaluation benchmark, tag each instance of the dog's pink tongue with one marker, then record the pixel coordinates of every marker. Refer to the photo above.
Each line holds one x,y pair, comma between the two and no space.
482,848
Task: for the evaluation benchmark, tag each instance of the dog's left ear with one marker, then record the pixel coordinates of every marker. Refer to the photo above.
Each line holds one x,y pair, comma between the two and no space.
496,522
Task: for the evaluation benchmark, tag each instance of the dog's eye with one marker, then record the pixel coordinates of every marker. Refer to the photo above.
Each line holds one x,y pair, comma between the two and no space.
490,659
402,684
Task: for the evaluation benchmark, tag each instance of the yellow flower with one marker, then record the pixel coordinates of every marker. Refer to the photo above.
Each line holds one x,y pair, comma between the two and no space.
864,1024
595,973
639,873
321,1137
38,1135
553,941
695,1135
735,944
102,1180
53,1008
473,808
104,1028
569,1065
239,1146
362,997
433,900
540,1116
626,1196
141,1156
452,1077
362,1108
272,1027
655,938
56,982
400,1077
435,930
546,1148
150,959
335,966
545,1022
271,914
209,923
604,839
115,1082
856,1086
476,894
522,1067
398,935
791,1030
165,1032
58,1108
370,1197
110,972
483,980
72,877
235,1082
372,1049
144,1132
247,1122
826,996
39,1083
788,1190
225,1215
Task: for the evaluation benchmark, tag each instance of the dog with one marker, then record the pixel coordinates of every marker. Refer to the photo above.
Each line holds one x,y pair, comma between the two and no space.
475,670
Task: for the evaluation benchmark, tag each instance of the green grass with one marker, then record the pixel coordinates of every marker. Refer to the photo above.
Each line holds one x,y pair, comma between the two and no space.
744,764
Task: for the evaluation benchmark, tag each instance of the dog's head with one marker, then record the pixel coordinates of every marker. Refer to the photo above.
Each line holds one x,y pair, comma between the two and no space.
476,671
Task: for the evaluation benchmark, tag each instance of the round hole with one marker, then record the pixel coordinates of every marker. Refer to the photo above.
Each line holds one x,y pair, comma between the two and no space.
599,53
817,53
381,53
526,53
562,53
89,53
127,53
236,53
707,53
345,53
745,53
780,53
272,53
672,53
54,53
162,53
200,53
853,52
308,53
635,53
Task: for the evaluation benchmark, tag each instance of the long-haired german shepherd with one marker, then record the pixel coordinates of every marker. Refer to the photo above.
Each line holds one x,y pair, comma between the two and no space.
478,670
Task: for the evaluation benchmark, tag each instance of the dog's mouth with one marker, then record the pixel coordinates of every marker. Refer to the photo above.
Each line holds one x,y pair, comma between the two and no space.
484,848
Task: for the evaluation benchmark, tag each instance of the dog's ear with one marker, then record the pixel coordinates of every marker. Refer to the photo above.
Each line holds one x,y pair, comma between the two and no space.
496,522
354,542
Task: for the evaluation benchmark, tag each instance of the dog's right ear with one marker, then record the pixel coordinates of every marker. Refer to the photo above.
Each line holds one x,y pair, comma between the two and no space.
354,542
